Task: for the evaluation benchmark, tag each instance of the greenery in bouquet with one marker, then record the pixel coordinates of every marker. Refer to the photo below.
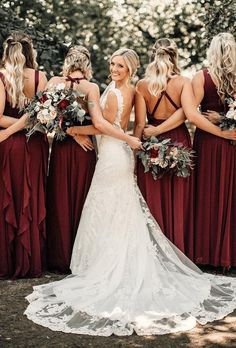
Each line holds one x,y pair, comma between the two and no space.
162,156
228,120
55,110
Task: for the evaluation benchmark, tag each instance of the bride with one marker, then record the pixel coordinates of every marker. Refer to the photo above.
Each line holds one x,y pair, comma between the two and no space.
126,275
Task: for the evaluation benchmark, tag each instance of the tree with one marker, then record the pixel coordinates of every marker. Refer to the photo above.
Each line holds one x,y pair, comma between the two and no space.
104,26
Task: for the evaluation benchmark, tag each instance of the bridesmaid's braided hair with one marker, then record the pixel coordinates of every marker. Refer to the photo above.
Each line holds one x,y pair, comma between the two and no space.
221,58
18,54
78,58
163,66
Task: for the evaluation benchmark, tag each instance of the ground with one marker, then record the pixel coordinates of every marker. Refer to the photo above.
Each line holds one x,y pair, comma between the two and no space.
16,331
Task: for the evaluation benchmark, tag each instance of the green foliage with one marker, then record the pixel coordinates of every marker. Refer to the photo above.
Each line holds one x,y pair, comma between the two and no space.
104,26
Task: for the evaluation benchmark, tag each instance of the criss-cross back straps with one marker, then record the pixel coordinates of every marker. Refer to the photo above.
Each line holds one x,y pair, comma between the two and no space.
36,81
163,93
74,80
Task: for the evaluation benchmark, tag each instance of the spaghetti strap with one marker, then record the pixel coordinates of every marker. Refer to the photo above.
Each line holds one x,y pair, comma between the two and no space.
156,105
170,100
2,78
36,81
159,100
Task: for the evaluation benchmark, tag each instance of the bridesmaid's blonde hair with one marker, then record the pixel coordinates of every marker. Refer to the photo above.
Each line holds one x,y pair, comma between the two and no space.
221,58
130,57
163,66
18,54
78,58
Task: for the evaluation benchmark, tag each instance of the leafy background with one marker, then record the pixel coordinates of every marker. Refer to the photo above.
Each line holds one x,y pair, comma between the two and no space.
104,26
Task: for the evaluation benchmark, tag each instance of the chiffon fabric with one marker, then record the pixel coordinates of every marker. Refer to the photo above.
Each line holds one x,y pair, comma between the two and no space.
215,199
126,275
170,198
70,174
23,167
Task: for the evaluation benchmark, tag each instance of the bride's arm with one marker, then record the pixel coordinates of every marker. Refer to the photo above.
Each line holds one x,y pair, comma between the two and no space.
109,113
101,124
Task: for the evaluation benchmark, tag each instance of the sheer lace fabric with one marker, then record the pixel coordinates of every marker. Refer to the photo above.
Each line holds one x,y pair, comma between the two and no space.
126,275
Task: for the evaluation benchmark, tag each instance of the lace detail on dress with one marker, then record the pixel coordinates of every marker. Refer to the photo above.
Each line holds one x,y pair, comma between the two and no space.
126,275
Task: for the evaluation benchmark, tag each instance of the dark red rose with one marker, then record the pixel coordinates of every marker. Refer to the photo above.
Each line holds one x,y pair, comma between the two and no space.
153,153
63,104
43,98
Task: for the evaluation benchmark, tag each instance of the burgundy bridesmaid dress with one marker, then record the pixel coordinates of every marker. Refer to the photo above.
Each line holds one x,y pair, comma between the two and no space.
23,167
70,174
170,198
215,209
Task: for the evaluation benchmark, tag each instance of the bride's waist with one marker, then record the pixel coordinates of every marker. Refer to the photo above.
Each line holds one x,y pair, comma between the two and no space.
107,138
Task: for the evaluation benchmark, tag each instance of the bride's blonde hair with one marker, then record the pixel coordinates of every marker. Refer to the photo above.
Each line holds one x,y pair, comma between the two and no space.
130,57
18,54
221,58
163,66
78,58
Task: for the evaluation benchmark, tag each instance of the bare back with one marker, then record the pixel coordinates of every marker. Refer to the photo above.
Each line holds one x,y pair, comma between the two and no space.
165,108
29,82
128,102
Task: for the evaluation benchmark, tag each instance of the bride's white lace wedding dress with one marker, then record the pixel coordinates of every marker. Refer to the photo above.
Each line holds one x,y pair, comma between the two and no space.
126,275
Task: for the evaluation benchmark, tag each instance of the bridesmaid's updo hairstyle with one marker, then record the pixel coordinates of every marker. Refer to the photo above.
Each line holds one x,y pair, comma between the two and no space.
78,58
130,57
163,66
221,58
18,54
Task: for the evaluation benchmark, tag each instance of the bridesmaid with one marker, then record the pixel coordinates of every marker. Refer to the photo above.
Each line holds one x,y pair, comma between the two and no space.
23,165
215,222
158,96
70,171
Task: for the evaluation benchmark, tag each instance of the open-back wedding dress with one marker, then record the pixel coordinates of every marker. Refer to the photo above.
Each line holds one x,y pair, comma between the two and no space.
126,275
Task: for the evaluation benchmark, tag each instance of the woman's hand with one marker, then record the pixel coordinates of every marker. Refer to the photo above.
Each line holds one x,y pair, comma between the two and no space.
72,131
134,143
229,134
150,131
84,141
4,134
213,116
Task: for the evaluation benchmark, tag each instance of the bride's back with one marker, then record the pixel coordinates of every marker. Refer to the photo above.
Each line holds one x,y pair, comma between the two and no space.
128,101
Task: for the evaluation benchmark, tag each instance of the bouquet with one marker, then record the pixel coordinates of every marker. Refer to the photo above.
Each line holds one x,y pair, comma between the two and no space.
162,156
55,110
228,120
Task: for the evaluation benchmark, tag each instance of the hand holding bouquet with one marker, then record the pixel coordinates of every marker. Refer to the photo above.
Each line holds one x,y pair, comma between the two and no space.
228,121
162,156
55,110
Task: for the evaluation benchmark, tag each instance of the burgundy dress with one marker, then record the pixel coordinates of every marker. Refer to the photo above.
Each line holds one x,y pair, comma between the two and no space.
215,211
70,174
23,167
170,198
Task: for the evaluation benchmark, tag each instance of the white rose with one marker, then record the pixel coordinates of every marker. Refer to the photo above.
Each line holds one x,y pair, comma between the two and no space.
75,104
44,112
81,112
230,114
